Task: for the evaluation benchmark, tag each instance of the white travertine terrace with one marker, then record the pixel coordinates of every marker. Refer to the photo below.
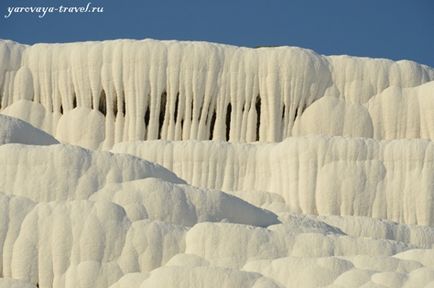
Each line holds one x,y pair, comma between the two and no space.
320,172
146,90
314,175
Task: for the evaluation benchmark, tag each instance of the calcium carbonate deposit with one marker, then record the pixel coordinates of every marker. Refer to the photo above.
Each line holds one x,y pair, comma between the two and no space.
188,164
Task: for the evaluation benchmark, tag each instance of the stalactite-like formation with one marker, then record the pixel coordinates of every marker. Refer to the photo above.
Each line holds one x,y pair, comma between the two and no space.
191,90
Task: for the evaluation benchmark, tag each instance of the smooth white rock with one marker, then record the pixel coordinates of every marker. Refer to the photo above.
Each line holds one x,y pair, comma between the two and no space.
13,130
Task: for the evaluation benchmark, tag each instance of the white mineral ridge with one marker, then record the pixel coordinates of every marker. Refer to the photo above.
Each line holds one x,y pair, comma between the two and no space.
146,90
336,192
13,130
154,198
314,174
145,190
81,243
64,172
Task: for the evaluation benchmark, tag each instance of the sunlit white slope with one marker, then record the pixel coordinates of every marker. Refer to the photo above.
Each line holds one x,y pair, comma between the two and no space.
314,175
281,257
394,113
171,90
145,190
356,226
63,172
94,244
53,236
314,210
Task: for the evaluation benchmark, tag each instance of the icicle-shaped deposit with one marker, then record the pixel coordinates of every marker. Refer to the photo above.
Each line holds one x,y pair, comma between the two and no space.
96,94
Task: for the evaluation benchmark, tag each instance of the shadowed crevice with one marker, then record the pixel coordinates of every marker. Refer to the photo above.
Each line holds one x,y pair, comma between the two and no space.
228,120
212,125
102,106
258,115
163,102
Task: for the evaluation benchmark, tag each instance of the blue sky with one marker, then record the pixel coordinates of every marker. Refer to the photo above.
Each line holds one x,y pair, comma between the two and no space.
375,28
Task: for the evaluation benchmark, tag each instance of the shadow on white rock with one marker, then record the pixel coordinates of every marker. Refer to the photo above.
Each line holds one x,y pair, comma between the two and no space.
13,283
182,204
13,130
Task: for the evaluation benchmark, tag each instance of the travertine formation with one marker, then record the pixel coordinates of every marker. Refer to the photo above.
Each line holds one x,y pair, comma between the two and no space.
320,172
314,175
146,90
